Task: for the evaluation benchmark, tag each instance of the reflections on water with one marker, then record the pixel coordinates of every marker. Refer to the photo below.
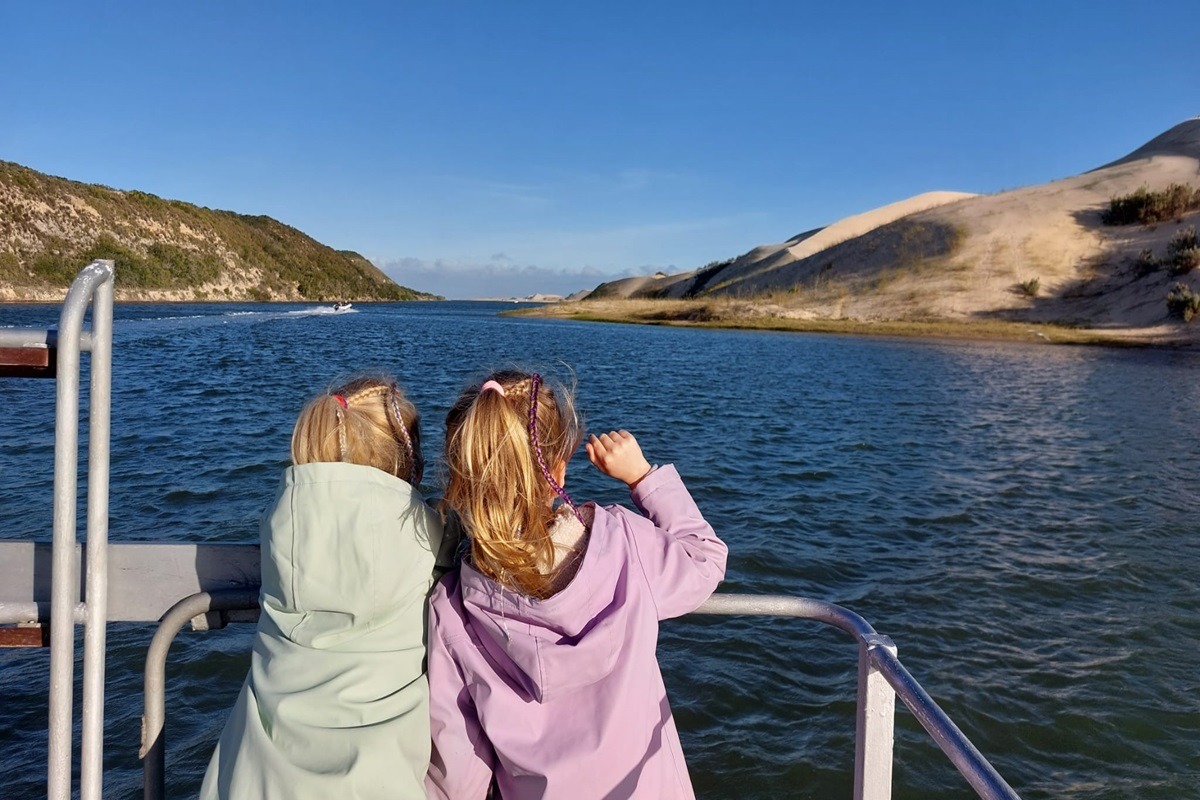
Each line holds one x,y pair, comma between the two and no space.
1019,519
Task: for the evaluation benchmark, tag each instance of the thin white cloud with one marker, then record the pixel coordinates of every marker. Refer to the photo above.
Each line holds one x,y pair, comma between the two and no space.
467,280
566,261
528,195
660,242
557,186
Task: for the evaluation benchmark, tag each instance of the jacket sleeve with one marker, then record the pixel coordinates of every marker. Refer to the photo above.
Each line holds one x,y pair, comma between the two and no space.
682,558
461,762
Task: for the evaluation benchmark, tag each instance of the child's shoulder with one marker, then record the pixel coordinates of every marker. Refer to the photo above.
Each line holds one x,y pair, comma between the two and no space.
446,587
609,524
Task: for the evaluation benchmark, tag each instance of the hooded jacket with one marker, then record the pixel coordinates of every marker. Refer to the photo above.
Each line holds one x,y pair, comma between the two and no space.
562,697
336,703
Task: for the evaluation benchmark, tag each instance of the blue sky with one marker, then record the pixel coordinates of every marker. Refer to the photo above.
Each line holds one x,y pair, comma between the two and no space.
485,149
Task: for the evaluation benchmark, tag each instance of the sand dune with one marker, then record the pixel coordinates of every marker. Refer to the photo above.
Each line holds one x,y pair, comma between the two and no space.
961,257
1053,232
859,224
757,269
1182,140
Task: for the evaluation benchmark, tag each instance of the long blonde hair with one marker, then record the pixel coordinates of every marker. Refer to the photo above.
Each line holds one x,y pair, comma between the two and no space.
367,421
500,483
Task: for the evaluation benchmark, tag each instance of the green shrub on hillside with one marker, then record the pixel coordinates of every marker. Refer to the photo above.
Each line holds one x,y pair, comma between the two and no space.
1184,251
57,263
163,266
706,274
1147,207
10,266
1182,302
1030,287
917,244
1145,263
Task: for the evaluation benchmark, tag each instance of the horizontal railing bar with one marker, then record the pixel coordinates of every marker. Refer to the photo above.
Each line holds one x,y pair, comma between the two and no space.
782,606
982,776
40,337
145,578
16,613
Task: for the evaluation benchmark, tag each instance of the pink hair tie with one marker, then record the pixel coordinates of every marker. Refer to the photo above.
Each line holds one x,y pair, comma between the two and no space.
341,400
494,386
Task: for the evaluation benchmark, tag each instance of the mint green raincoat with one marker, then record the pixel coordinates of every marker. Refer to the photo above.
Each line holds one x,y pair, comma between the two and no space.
336,704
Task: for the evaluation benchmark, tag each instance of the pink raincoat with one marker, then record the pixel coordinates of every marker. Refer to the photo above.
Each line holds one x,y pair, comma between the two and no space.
563,698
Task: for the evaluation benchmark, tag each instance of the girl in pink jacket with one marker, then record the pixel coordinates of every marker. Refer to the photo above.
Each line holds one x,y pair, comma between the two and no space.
543,678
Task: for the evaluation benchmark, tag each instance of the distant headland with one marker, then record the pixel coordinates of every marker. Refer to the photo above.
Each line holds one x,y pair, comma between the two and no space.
166,250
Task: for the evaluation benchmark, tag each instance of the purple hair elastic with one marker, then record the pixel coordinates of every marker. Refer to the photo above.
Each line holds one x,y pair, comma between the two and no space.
535,384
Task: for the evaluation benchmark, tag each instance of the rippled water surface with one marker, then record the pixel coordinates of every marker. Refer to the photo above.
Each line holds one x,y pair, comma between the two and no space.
1021,520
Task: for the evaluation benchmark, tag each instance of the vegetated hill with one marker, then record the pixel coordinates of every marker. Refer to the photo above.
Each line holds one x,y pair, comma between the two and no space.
1041,253
165,249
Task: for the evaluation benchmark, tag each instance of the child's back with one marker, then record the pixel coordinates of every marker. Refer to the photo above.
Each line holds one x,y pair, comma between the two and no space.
562,696
335,704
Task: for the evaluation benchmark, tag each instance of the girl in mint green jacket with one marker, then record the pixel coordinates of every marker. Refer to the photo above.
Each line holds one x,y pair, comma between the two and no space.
336,703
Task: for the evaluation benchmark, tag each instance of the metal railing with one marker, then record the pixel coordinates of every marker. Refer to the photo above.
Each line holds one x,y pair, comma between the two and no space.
881,677
94,286
227,577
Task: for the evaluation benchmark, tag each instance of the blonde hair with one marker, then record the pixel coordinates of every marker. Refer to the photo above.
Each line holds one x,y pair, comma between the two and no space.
499,483
367,421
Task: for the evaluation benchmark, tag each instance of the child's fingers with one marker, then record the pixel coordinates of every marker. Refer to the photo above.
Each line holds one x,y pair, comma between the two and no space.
618,455
623,441
597,451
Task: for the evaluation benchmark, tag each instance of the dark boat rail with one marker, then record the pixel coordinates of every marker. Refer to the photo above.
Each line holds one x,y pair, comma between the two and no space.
41,583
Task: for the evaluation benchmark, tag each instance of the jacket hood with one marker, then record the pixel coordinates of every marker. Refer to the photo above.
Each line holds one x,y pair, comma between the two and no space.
347,550
564,642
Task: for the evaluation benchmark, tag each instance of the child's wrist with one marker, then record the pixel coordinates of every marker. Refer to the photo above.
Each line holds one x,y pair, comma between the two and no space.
633,484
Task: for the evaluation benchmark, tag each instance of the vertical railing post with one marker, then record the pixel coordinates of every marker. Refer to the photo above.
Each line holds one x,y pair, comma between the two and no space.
154,712
64,570
875,724
91,766
64,578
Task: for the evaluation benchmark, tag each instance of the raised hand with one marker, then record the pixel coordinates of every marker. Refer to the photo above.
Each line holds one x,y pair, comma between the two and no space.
618,455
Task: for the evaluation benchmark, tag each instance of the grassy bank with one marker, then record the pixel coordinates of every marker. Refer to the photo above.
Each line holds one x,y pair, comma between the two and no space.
748,316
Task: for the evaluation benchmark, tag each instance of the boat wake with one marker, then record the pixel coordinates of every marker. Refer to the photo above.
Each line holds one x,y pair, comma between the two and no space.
136,328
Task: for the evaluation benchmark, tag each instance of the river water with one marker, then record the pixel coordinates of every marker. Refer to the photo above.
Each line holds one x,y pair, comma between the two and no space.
1021,520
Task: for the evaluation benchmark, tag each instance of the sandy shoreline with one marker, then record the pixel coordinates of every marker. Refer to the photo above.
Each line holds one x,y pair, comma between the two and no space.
764,316
754,316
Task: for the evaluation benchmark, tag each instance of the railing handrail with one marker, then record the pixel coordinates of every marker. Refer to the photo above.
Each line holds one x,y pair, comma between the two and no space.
978,771
980,774
40,337
877,653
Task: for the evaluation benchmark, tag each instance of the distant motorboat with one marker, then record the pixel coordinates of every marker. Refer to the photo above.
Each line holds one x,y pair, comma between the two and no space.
342,307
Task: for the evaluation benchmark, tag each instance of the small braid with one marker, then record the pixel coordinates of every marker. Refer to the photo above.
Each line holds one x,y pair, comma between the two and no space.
371,391
535,384
389,395
394,406
341,429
